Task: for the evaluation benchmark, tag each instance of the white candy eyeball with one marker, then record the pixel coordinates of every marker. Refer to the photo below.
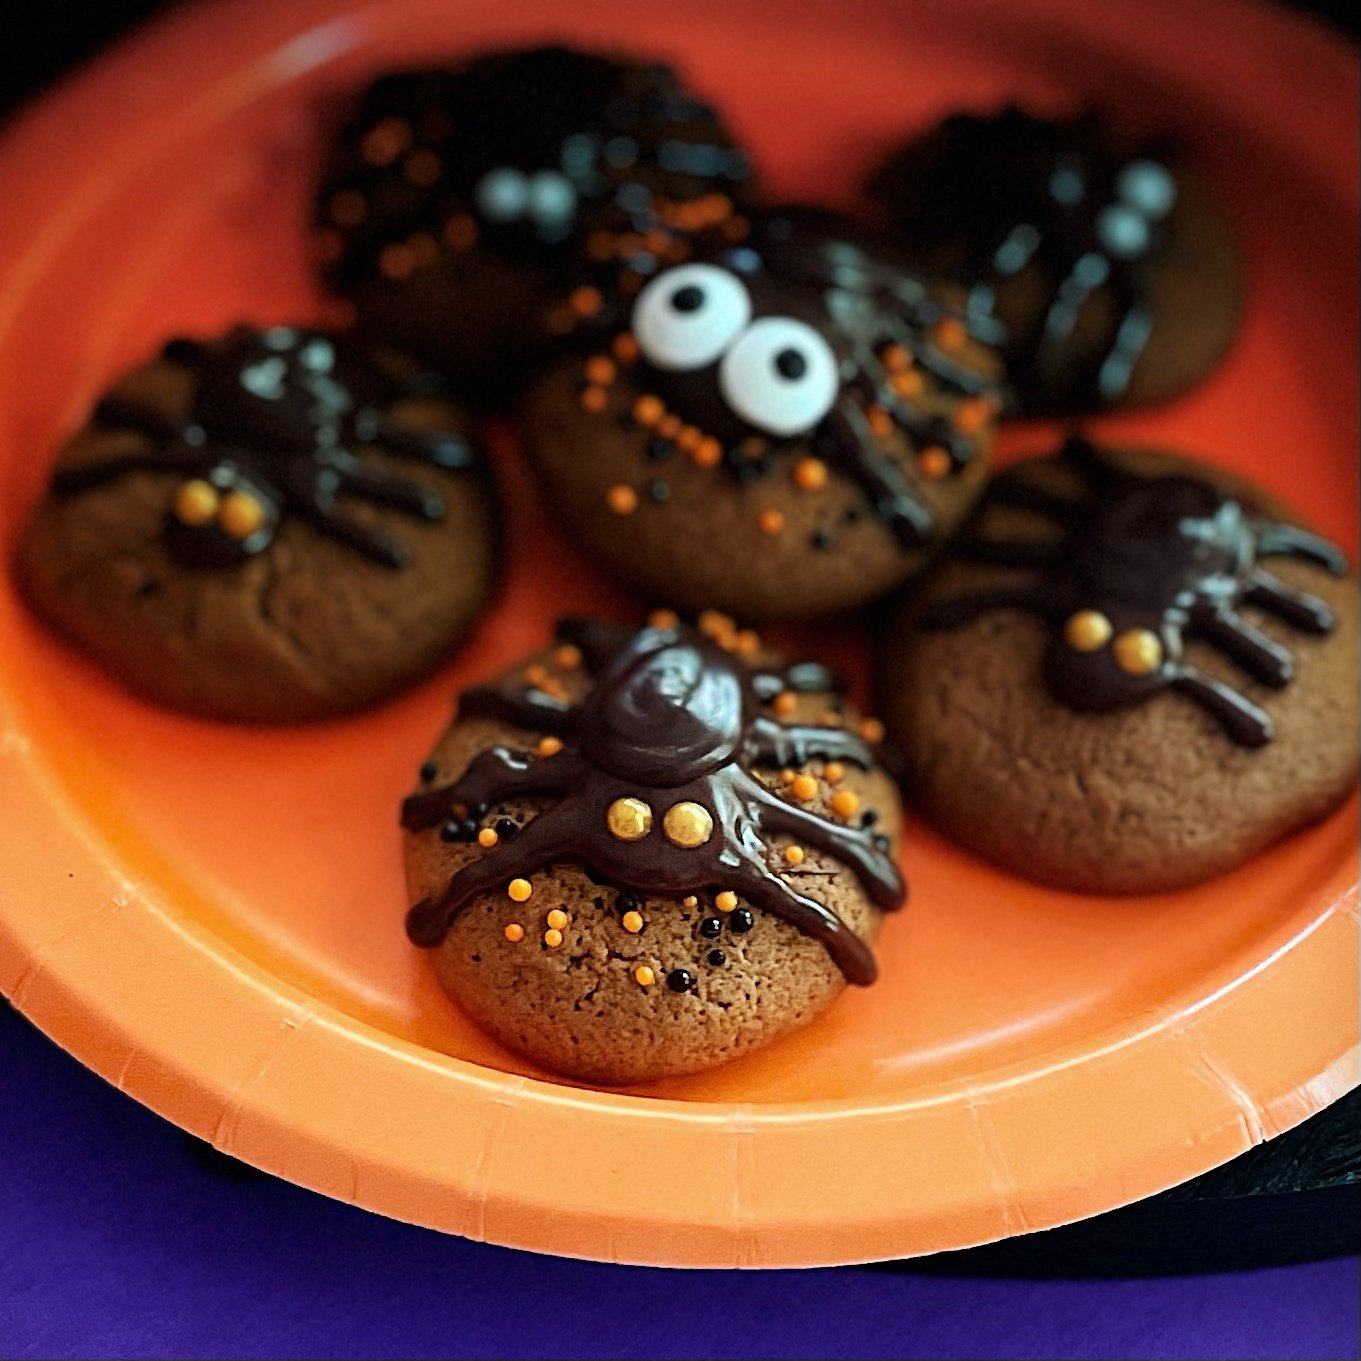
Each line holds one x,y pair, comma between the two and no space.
781,376
502,195
686,317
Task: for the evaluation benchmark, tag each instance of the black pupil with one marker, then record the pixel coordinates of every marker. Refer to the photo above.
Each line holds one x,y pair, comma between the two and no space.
688,299
790,364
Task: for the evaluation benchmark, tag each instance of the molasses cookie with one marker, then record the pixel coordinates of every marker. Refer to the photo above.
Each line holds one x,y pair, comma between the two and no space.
1106,263
784,424
456,200
1133,672
648,851
263,527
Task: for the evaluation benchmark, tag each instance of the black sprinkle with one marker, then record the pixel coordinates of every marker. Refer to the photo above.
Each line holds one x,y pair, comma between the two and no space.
452,831
747,474
625,902
851,516
869,817
147,588
717,958
429,770
680,980
659,448
823,538
741,920
505,828
711,927
477,810
477,959
660,491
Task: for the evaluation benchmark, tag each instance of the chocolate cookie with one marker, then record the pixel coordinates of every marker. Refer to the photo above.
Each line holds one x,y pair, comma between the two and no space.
1134,672
457,201
1106,263
646,852
782,425
264,527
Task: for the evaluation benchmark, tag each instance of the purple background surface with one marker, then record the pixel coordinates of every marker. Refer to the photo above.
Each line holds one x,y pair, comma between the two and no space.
114,1243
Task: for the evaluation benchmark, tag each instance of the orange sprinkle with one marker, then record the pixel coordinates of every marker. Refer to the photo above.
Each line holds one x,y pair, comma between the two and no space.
726,901
395,262
786,776
804,788
689,900
716,625
549,746
707,453
585,301
845,803
594,399
347,208
621,499
519,890
536,673
785,703
907,384
557,919
972,415
950,333
670,426
829,718
834,772
644,976
771,521
880,421
753,446
663,619
385,141
747,643
632,922
461,231
625,348
810,474
690,438
896,358
514,932
487,838
553,688
422,166
794,854
552,938
648,410
871,730
567,657
601,370
934,462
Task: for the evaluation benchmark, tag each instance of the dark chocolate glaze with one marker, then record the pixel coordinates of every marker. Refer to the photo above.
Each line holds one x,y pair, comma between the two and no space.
990,197
672,718
273,417
1172,557
536,148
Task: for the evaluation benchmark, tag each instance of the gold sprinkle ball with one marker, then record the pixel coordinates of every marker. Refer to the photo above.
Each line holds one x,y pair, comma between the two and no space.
663,619
785,703
629,819
794,854
871,729
514,933
834,772
706,453
552,938
195,502
601,371
625,348
771,521
810,474
644,976
688,825
536,673
786,776
557,919
689,900
567,657
621,499
549,746
240,514
632,922
805,787
934,463
726,901
1087,630
845,803
518,890
487,838
747,643
594,399
1138,652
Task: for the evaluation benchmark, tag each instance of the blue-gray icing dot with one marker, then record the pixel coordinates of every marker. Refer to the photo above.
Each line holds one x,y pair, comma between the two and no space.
1019,246
265,379
1091,271
502,195
280,338
1149,187
1122,230
621,152
1066,185
552,199
633,197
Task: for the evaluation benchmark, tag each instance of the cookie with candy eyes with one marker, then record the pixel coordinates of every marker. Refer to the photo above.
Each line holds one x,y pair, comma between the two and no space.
1105,261
785,424
1132,672
456,201
264,526
647,851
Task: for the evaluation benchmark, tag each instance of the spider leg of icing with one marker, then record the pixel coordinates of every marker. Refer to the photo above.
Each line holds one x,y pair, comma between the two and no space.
769,892
964,609
1240,717
876,871
803,678
1275,540
318,508
529,708
497,773
551,835
795,744
384,490
847,437
1261,657
116,413
439,447
72,481
1306,612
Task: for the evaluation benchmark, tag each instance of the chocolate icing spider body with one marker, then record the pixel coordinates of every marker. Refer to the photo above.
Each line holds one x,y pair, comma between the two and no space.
1148,564
800,333
268,435
654,774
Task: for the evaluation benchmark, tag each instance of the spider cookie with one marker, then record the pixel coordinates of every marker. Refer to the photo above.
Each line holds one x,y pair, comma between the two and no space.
779,426
648,851
1133,672
456,201
263,527
1106,264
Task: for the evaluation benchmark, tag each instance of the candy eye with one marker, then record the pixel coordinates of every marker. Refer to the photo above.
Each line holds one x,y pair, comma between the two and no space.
687,317
781,376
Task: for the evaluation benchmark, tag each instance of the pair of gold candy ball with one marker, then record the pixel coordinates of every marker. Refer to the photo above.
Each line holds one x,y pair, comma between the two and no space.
198,502
1137,652
684,824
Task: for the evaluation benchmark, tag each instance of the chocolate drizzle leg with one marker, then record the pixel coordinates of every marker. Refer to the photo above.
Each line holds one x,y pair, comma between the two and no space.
657,794
1143,565
268,437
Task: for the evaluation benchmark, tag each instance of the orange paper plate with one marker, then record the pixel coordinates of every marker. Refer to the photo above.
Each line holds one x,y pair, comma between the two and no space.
211,916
